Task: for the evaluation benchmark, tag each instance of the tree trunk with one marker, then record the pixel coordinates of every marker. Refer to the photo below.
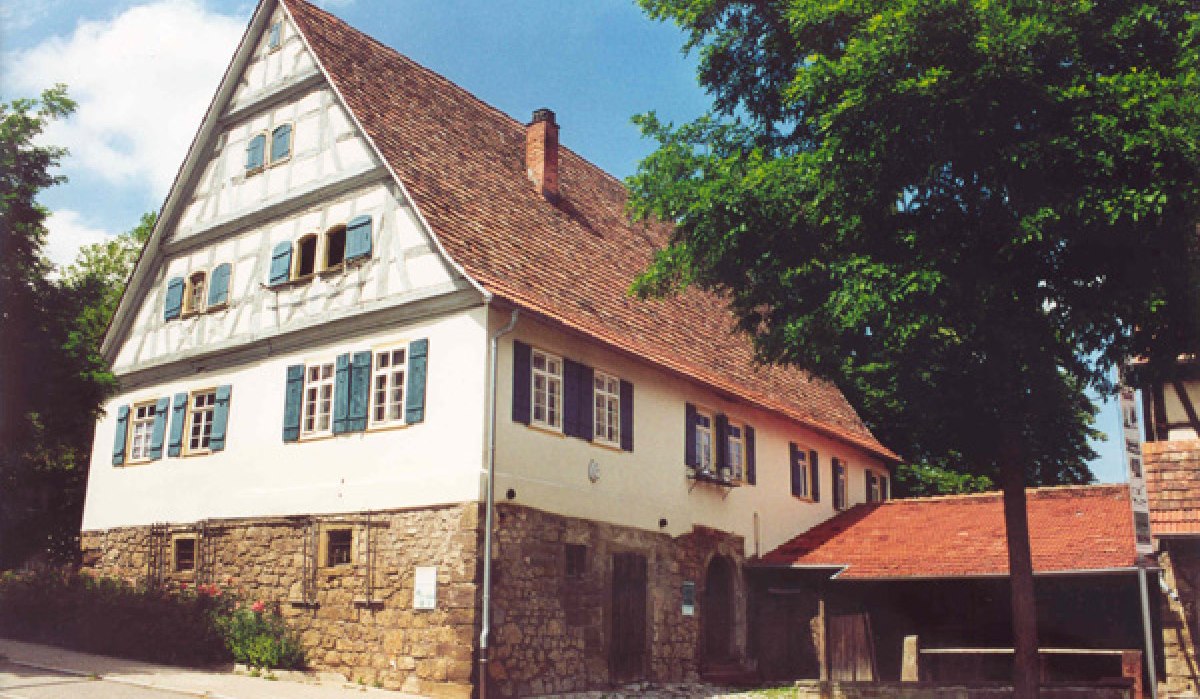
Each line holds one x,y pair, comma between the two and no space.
1026,668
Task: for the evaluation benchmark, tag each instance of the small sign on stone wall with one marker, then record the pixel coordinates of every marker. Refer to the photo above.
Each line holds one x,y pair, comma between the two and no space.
425,588
689,598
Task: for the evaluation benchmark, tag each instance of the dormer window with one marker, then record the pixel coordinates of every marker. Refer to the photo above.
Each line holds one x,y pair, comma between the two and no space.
194,294
306,256
275,36
335,248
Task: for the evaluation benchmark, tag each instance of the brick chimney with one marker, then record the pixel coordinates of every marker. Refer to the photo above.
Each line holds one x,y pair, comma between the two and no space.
541,153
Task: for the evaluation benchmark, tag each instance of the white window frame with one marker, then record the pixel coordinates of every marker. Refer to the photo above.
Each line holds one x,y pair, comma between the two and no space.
552,408
206,413
141,432
320,405
388,376
806,474
606,408
705,447
735,446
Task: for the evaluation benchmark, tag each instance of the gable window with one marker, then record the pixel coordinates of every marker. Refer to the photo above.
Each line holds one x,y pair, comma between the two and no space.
335,247
194,295
839,484
339,547
306,256
800,471
735,453
200,421
275,36
140,430
547,390
183,555
704,442
387,387
256,152
318,399
606,391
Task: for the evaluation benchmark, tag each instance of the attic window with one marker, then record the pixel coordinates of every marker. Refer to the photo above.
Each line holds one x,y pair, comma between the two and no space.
275,36
335,247
194,296
306,256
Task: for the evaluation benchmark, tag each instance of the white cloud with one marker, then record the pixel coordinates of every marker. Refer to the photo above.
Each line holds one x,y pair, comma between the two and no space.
143,81
68,233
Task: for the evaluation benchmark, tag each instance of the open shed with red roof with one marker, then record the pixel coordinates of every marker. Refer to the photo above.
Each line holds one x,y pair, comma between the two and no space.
837,601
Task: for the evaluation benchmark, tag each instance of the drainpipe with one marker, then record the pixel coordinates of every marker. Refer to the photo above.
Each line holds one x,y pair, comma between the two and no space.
490,510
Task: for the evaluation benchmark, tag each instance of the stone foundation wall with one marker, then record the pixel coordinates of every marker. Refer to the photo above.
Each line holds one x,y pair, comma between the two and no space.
1180,561
365,631
551,631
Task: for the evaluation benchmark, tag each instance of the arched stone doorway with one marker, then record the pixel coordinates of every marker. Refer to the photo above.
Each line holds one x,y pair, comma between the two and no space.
718,611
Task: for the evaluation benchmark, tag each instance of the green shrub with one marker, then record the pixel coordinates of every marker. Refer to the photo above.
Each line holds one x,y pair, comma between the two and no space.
185,626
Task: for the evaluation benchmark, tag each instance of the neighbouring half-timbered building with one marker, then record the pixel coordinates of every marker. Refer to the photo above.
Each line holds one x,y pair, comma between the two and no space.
358,265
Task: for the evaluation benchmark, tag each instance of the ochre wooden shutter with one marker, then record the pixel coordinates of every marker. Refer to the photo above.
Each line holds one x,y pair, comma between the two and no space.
522,359
341,394
178,416
173,303
254,152
626,415
159,432
572,395
414,393
358,238
814,473
216,440
748,435
360,391
689,437
721,442
218,284
293,397
281,142
281,263
119,438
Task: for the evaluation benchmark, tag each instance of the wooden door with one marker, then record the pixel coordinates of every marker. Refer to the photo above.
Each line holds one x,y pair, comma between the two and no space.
628,647
851,647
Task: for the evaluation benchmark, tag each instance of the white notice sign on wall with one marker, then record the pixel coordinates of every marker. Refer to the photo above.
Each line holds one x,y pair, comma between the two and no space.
425,588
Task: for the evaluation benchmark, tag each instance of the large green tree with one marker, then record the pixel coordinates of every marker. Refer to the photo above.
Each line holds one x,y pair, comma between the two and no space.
965,212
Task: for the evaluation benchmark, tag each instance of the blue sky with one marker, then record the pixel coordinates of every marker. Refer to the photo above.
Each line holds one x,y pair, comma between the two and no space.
143,74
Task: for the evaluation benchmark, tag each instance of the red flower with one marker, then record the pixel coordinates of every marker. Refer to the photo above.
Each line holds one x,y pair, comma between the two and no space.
258,607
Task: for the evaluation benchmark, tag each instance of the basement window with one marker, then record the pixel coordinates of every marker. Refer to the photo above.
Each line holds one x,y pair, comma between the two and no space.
339,544
183,554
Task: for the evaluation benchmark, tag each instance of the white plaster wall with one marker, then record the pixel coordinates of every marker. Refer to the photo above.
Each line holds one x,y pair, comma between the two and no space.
269,68
549,471
436,461
402,265
1177,414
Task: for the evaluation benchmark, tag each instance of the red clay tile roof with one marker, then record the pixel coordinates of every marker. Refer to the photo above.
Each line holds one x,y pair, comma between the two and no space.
463,163
1172,472
1071,528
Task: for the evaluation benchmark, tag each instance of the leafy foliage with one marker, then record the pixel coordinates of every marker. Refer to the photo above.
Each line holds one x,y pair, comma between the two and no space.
259,638
950,207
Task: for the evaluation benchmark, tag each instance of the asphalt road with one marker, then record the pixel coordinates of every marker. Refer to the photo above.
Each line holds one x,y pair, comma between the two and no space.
20,682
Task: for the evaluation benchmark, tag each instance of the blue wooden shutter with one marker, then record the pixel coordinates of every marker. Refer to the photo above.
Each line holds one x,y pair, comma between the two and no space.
522,362
814,472
626,415
216,440
360,391
587,402
358,238
118,452
274,34
254,152
572,394
178,415
721,442
218,284
159,432
751,468
173,304
293,398
414,393
281,263
281,142
341,394
690,457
